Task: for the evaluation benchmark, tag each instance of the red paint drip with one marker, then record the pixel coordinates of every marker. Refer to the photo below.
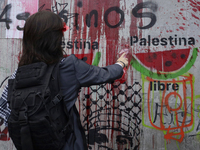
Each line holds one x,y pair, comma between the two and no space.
112,34
83,32
88,103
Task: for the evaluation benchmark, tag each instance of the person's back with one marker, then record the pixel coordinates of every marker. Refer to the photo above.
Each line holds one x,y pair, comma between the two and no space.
42,39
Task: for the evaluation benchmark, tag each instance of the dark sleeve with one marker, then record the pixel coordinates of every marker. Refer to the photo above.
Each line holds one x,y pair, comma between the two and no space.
88,75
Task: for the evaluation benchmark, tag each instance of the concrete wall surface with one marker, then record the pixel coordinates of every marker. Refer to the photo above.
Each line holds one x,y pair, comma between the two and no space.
158,107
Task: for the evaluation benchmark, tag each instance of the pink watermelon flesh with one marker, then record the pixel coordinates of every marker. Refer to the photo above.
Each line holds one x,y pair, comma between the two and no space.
165,61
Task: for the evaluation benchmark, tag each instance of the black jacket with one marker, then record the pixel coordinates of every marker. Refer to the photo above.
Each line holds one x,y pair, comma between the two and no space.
74,74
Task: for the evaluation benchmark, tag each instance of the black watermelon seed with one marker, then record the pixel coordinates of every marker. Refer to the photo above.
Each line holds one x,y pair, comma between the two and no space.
168,63
183,56
155,56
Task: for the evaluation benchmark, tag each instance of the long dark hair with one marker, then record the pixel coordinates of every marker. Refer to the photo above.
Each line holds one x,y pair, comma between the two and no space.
42,38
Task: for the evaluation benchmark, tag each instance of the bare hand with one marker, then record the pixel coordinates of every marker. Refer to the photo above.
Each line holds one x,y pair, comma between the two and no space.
123,60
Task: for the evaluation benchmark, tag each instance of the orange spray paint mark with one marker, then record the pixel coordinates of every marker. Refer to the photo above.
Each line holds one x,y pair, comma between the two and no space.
178,135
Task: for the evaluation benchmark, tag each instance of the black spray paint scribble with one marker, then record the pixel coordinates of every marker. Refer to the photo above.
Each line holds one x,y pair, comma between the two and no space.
170,117
108,115
22,16
62,10
5,15
150,15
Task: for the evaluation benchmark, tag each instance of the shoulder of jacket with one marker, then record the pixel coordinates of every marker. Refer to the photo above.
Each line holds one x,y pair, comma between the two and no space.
71,59
72,56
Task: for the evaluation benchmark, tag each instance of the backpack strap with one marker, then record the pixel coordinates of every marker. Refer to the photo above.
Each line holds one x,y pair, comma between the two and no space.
55,87
68,129
26,140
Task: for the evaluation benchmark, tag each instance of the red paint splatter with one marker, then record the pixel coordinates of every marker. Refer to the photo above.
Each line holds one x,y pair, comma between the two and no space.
196,24
195,16
194,9
177,18
195,4
95,33
182,28
83,32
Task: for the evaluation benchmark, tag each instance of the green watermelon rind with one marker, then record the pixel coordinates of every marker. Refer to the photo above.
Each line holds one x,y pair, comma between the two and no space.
164,76
97,59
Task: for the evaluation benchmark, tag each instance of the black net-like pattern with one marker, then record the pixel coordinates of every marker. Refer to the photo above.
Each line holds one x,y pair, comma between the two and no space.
113,110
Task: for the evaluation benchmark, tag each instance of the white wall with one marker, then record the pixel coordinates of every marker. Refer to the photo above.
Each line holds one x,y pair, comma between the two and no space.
140,114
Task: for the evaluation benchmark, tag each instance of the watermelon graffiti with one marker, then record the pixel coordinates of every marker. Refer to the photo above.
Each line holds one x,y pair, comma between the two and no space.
165,73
